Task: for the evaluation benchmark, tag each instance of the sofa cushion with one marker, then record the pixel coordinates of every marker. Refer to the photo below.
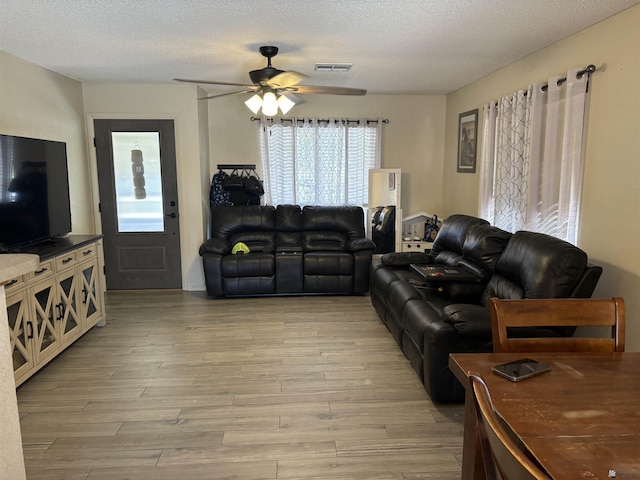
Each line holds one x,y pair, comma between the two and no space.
328,263
417,316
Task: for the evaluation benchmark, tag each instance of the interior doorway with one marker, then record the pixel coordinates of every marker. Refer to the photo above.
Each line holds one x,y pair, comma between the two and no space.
136,162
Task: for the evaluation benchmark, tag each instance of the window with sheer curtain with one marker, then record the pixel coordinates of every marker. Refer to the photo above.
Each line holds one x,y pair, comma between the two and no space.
318,162
532,161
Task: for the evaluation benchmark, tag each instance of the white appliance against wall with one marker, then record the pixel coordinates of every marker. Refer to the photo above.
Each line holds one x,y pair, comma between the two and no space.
385,189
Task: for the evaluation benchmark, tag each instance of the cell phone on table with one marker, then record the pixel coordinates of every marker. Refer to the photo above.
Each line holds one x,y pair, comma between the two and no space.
522,369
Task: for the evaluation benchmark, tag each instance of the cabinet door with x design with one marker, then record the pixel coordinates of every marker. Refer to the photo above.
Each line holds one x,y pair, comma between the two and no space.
52,307
68,307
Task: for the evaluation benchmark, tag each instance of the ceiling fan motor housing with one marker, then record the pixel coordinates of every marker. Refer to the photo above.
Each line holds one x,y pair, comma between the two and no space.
267,73
264,74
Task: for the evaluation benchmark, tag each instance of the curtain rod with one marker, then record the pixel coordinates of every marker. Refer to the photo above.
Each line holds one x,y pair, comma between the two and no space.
236,166
588,70
322,120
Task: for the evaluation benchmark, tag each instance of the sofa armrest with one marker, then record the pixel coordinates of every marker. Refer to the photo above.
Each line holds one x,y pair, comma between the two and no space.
404,259
215,245
587,283
469,320
359,244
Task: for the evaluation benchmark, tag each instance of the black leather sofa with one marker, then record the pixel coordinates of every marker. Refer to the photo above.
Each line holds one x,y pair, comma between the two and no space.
431,319
293,250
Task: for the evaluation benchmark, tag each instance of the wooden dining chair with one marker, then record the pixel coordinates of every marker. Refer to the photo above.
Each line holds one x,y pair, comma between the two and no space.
560,312
503,459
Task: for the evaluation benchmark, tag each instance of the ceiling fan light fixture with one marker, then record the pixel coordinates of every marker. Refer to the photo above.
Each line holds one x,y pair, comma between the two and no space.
285,103
254,103
269,104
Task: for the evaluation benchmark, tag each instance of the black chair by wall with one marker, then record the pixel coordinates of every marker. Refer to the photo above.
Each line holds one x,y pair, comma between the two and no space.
383,229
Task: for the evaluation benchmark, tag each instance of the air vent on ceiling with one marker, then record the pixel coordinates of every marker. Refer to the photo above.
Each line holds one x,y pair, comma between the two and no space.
333,67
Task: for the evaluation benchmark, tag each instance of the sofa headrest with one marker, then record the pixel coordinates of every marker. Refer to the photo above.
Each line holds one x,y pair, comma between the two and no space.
288,218
226,221
540,265
348,220
483,246
451,236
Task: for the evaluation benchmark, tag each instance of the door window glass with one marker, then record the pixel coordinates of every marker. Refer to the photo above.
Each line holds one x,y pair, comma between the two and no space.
138,181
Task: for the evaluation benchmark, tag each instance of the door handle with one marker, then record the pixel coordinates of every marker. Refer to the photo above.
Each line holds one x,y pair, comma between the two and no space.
172,215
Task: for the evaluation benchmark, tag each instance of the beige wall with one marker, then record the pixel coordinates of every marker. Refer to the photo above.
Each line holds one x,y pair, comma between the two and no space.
177,102
35,102
610,226
413,140
205,170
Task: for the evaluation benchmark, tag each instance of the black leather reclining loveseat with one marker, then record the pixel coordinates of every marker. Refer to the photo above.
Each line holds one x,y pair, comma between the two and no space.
431,319
293,250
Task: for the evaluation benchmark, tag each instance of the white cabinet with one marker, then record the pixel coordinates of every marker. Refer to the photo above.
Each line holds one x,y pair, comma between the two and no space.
413,227
52,307
416,246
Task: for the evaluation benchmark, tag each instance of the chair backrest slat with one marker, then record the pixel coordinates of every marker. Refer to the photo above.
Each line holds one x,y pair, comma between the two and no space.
607,312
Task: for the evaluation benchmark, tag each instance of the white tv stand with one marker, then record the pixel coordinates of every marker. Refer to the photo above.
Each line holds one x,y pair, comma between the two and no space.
52,307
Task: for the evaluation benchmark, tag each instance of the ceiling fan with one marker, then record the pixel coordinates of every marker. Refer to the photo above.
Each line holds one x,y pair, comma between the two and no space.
273,88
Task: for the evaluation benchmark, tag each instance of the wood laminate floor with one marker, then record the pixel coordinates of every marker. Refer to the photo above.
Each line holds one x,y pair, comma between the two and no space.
178,386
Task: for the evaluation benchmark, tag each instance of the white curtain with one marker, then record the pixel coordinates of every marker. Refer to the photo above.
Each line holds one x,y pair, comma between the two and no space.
318,162
532,165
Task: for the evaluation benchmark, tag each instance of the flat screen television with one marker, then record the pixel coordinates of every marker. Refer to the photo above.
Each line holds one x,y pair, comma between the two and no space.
34,191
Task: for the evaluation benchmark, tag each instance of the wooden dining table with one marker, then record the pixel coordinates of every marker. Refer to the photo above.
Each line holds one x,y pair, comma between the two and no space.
581,420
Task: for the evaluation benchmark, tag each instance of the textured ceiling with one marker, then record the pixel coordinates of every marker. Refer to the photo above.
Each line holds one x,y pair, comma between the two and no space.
396,46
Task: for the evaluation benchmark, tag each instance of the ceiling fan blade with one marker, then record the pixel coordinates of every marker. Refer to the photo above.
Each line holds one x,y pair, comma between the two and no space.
311,89
213,82
285,79
228,93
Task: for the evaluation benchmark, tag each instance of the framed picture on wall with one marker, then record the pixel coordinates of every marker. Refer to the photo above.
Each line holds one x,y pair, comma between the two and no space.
467,141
